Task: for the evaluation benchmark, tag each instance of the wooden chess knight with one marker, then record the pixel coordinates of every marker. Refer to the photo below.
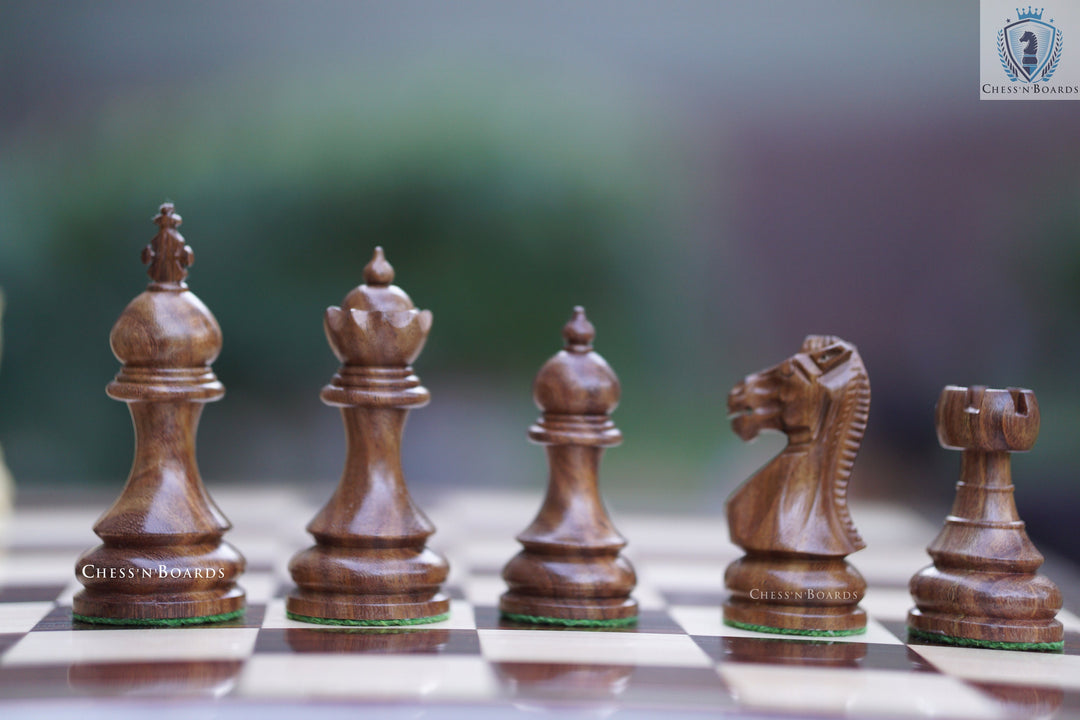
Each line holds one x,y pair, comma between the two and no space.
792,517
163,561
369,564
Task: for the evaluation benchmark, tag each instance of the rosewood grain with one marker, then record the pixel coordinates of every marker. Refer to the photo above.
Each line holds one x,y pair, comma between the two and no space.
570,568
792,517
983,584
163,557
369,564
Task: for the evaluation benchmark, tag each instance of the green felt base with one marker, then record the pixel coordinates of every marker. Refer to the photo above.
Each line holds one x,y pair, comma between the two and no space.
569,622
970,642
368,623
790,631
159,622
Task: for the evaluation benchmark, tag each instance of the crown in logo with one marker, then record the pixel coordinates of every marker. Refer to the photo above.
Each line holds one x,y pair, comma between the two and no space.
1029,14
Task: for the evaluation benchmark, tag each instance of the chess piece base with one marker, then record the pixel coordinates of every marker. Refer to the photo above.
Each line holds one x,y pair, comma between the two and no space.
802,596
348,609
217,605
819,620
569,611
1014,634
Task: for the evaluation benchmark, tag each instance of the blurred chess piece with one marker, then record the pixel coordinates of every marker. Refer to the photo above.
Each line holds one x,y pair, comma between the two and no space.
983,589
7,484
791,517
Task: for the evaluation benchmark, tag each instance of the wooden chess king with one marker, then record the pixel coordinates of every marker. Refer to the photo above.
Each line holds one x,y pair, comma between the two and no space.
369,564
163,561
791,517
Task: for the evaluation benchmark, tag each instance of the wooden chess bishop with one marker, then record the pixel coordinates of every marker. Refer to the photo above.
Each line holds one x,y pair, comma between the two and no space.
983,589
163,560
369,564
791,517
570,571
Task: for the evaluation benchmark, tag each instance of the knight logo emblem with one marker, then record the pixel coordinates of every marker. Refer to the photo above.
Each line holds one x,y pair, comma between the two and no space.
1029,48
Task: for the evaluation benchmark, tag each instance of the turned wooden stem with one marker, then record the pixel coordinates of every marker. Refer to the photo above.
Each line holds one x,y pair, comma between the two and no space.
164,467
372,489
572,518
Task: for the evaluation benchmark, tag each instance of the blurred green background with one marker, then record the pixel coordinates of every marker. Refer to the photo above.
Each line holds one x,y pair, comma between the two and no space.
712,180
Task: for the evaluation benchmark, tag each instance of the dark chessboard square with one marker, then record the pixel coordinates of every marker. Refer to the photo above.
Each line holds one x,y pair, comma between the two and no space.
59,618
252,618
34,681
30,593
897,627
390,641
649,621
7,640
812,653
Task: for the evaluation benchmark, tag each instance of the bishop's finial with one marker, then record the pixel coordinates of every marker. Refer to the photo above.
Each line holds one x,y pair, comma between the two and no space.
168,255
579,332
378,272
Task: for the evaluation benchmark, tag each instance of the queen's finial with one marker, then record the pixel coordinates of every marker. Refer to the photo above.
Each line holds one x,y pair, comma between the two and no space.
168,255
378,272
579,332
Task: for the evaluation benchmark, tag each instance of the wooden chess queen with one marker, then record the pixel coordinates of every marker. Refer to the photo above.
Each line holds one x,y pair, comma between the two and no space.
792,517
370,564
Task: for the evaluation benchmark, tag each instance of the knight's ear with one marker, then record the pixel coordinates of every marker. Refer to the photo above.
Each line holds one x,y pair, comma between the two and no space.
828,358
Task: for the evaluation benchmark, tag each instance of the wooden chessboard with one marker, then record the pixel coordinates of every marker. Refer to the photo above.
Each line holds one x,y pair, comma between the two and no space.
680,658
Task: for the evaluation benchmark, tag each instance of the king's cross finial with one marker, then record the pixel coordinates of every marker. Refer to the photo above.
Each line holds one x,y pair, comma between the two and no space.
168,255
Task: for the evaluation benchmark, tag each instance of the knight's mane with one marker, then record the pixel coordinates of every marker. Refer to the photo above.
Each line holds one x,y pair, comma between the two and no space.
813,343
850,426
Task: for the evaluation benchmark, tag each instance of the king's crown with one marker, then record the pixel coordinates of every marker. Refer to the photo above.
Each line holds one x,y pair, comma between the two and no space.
1029,14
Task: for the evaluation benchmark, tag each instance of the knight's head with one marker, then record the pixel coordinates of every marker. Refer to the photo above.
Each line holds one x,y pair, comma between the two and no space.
793,397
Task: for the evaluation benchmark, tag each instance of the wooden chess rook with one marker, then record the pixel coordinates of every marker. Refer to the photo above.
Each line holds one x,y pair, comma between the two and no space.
570,571
369,565
983,589
792,517
163,560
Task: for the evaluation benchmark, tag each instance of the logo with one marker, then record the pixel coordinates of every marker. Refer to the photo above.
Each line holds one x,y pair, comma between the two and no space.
1029,48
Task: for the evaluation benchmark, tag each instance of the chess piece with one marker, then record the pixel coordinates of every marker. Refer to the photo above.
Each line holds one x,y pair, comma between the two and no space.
791,517
369,565
982,589
163,561
570,571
